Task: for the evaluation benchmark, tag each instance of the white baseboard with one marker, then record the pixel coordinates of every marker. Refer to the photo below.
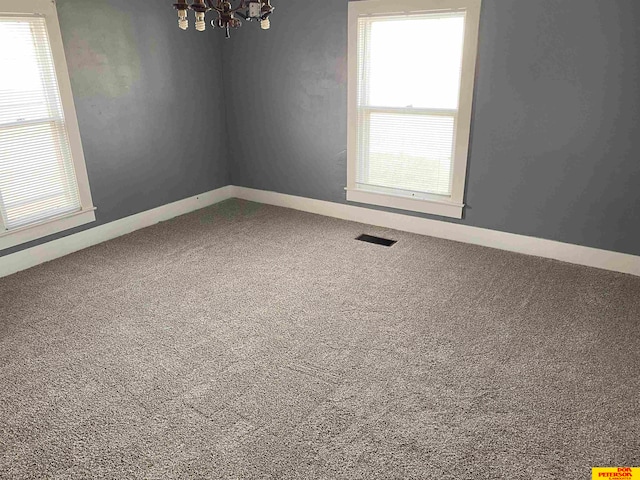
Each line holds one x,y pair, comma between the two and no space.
46,252
591,257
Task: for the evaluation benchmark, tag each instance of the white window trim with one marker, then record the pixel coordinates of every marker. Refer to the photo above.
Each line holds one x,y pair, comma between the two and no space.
448,206
47,9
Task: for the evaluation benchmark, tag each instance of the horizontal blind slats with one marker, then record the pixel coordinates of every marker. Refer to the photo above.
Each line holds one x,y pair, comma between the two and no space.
409,152
37,178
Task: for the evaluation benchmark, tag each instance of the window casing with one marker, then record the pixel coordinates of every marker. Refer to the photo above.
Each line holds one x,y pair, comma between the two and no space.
411,79
44,187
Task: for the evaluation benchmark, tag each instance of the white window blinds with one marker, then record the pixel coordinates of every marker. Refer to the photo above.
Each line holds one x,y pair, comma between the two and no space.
37,178
409,71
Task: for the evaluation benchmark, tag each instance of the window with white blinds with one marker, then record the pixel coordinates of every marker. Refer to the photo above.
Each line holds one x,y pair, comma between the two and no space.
411,81
38,180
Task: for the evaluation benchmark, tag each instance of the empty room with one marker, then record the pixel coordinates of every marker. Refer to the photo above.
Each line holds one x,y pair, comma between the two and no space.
319,239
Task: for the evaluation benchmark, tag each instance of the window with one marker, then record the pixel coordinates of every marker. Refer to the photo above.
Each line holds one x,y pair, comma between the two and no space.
43,181
411,76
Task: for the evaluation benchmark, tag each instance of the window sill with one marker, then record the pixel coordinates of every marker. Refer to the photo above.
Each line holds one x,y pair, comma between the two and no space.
438,207
55,225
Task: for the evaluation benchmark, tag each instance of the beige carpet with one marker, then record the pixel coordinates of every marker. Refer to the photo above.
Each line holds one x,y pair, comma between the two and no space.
246,341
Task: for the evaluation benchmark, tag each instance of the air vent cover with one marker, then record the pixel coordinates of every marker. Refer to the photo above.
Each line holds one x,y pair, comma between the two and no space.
376,240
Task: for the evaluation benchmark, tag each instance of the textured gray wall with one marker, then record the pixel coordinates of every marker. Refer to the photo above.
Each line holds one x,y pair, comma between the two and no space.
555,149
149,105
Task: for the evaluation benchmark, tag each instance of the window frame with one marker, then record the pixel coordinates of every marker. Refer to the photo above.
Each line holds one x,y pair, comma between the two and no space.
447,206
10,238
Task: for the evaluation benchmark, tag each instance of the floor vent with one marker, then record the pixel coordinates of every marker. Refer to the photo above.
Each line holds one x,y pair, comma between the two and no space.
376,240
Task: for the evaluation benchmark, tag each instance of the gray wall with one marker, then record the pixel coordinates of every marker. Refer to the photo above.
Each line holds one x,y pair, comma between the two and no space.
555,149
149,103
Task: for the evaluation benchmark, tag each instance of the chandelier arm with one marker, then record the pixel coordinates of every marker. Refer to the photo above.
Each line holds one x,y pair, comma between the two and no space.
241,6
213,5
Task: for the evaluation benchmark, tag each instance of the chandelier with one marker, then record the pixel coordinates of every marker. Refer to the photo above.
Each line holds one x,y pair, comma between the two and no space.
258,10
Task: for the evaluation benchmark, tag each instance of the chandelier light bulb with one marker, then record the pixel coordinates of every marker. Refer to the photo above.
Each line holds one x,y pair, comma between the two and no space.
183,23
265,24
200,23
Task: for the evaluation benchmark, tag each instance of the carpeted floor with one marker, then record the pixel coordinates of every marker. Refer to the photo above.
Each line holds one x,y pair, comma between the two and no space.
246,341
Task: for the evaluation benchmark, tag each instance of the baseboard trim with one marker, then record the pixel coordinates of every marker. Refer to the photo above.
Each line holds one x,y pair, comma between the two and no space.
591,257
576,254
46,252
